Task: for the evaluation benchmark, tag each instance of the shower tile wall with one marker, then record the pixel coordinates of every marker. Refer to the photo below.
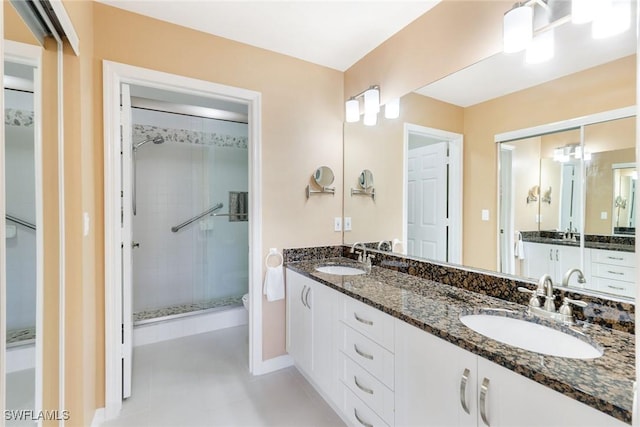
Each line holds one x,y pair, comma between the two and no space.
20,202
176,181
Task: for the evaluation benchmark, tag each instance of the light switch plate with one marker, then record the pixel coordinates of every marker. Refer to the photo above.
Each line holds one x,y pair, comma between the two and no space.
603,215
347,223
337,224
485,214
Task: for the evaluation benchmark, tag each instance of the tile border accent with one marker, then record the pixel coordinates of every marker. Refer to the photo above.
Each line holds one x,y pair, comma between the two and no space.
186,136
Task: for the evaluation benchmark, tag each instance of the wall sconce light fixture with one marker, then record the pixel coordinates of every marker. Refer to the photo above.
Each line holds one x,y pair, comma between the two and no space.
371,106
527,24
564,154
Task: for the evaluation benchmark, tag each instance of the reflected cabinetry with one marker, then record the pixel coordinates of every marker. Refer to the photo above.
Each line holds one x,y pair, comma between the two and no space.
612,272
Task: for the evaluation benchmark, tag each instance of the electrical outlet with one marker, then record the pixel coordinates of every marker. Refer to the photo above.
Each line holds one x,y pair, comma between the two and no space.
337,224
485,214
603,215
347,223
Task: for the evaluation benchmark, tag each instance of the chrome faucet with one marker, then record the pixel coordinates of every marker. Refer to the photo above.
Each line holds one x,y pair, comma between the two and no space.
363,257
567,276
545,287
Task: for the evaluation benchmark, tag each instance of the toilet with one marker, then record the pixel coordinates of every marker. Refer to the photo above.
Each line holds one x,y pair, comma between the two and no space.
245,301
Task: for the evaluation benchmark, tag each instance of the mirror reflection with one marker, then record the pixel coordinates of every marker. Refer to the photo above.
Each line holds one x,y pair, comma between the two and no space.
624,199
21,248
573,198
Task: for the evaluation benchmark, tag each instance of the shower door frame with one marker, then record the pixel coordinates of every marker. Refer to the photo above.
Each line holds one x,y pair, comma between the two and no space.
115,74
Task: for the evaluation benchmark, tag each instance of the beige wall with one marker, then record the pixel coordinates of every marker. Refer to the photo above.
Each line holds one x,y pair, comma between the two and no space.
451,36
380,149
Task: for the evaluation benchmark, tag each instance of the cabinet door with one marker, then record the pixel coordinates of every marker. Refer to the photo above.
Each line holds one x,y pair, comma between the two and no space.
567,257
538,260
298,320
429,386
324,349
515,401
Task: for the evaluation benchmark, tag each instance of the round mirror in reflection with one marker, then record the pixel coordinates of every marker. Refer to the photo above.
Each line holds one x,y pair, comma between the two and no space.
323,176
366,179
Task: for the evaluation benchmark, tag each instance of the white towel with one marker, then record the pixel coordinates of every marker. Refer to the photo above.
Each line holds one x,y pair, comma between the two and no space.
274,283
519,250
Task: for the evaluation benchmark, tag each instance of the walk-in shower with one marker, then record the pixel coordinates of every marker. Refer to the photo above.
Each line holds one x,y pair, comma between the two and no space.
190,228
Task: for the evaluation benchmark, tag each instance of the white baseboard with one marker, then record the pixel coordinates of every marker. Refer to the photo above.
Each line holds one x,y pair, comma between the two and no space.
20,358
191,325
98,417
274,364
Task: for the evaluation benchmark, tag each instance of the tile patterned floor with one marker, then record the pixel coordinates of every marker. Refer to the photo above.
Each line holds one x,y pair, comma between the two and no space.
204,380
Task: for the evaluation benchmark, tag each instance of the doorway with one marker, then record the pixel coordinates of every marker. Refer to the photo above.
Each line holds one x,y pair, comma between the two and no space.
432,226
241,206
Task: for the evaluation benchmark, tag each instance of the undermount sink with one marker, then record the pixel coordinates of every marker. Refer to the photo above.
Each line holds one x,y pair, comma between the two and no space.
340,270
530,336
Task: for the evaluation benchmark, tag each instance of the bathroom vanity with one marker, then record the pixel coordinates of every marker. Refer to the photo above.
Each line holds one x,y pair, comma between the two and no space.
387,348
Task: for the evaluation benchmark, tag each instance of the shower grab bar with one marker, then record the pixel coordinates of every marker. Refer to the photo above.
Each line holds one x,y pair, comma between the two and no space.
19,221
197,217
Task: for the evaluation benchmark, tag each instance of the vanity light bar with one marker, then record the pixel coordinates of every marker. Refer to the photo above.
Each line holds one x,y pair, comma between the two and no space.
371,106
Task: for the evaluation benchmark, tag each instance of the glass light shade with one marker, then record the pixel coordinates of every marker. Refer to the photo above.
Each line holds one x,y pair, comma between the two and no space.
392,109
614,18
370,119
557,154
517,28
578,152
587,155
634,175
371,101
352,110
583,11
541,48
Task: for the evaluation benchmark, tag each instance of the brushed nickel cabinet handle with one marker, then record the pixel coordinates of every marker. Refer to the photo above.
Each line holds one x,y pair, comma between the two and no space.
306,298
355,412
361,320
484,390
615,272
616,258
618,288
463,390
550,254
302,295
557,250
365,355
365,389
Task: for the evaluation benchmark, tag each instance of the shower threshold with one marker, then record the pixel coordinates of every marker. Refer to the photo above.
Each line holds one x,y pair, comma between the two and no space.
183,310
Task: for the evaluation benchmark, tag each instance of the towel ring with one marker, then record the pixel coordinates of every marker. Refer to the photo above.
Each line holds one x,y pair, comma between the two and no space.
274,252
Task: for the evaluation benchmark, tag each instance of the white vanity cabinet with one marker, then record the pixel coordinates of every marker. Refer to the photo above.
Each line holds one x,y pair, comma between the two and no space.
555,260
430,390
311,328
613,272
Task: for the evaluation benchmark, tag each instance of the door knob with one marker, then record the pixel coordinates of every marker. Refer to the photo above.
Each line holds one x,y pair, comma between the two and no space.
135,245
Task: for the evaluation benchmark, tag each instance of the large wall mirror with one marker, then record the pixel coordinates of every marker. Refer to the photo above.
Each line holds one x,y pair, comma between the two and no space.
589,195
23,218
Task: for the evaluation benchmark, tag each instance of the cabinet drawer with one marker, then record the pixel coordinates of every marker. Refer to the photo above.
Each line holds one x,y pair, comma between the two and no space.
357,412
371,322
615,287
625,259
614,272
367,388
368,354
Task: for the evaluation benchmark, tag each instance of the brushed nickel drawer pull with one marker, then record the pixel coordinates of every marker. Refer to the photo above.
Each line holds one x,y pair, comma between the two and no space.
484,390
365,355
615,272
463,390
365,389
616,258
361,320
618,288
355,412
302,295
306,298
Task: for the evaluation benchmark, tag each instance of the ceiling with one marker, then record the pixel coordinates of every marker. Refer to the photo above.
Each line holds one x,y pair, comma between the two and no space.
332,33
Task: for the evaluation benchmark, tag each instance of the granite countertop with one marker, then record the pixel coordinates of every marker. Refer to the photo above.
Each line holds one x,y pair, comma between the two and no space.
587,244
605,383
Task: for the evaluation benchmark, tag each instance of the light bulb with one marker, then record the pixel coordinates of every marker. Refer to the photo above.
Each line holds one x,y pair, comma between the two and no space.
517,28
392,109
371,101
352,110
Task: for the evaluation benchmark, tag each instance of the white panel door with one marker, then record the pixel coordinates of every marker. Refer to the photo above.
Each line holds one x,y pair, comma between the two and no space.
126,242
427,202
